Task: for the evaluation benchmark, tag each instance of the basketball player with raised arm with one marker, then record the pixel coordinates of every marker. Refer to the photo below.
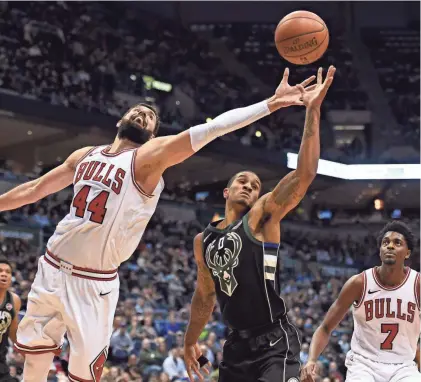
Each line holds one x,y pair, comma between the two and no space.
116,190
238,265
9,308
385,304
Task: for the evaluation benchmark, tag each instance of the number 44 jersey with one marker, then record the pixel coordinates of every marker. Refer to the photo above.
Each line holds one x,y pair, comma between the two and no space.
387,320
108,214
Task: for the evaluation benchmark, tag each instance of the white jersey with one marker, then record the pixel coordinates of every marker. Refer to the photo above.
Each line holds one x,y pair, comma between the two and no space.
108,214
387,320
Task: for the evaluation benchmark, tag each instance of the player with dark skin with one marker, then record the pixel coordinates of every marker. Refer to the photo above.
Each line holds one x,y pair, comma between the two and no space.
7,309
393,253
264,214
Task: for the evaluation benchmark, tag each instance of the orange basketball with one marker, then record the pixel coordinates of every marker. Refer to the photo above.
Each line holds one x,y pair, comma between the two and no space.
301,37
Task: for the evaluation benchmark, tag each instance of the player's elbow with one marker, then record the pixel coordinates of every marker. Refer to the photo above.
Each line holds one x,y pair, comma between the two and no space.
325,329
306,175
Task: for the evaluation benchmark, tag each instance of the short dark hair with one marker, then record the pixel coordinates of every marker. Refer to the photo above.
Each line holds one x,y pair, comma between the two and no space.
3,260
150,107
230,182
400,227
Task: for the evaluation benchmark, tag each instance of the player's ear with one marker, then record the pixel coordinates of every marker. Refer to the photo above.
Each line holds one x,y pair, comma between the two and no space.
408,255
226,193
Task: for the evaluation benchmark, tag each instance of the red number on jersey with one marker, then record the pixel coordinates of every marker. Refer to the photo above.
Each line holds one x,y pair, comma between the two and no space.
79,201
96,207
393,330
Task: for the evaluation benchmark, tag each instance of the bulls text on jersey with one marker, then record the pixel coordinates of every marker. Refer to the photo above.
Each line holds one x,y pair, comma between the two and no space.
100,172
381,307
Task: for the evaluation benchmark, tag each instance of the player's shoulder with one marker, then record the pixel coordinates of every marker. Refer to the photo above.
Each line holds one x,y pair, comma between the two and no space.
151,145
77,156
358,279
16,301
417,275
355,284
198,239
198,246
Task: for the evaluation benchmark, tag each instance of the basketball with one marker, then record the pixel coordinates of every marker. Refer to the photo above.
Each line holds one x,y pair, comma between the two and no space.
301,37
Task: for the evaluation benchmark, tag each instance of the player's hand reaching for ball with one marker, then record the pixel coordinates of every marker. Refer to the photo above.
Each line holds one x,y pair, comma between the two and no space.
191,356
314,95
287,95
309,372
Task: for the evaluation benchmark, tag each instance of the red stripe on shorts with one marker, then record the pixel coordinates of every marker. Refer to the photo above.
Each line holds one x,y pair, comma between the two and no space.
73,377
37,349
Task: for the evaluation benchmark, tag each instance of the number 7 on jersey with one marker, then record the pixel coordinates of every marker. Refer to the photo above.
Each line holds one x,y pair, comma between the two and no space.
393,330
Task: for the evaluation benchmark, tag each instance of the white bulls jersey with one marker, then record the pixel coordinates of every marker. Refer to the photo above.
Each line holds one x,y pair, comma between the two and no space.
387,320
108,214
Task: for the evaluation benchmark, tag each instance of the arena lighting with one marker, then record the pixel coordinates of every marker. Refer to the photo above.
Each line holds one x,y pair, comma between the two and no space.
362,171
151,83
378,204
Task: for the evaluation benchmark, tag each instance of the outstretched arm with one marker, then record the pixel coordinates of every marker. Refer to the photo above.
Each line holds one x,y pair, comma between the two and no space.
352,291
178,148
54,181
158,154
292,188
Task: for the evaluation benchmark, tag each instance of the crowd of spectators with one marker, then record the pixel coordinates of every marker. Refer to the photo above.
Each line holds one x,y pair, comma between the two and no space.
80,55
396,56
157,284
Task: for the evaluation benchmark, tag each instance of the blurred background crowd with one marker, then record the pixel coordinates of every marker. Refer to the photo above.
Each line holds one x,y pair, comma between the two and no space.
100,58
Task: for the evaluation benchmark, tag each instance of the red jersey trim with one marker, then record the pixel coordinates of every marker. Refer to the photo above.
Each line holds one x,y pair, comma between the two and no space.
360,301
417,291
377,281
84,156
134,179
107,154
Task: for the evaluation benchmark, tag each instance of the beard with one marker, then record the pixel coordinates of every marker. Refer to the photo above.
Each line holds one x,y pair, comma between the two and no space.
389,260
132,132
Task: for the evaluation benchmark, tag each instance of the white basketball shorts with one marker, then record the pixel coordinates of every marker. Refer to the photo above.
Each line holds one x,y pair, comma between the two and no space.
361,369
77,301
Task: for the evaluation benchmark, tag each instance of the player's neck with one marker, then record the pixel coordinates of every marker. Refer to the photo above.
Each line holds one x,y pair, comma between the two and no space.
391,275
122,144
231,215
2,295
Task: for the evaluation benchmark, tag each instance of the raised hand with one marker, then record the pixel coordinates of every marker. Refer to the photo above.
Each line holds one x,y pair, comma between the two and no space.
287,95
314,95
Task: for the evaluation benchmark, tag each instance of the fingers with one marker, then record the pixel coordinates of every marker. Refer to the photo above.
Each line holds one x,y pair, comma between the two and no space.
308,374
319,76
329,77
189,373
285,76
196,368
308,81
301,89
205,368
310,88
